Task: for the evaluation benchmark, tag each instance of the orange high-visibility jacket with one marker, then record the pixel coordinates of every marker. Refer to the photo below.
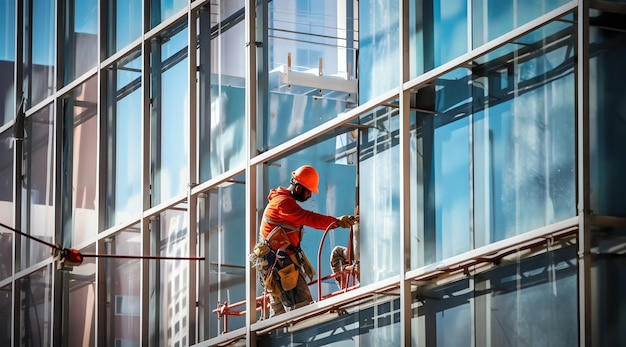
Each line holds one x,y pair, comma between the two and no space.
284,209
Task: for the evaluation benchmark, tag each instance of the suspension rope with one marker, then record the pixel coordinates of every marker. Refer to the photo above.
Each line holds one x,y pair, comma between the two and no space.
57,248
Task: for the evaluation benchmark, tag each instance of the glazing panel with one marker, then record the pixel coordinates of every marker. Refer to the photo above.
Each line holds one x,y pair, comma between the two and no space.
379,52
79,163
223,280
222,93
6,203
6,310
39,50
374,321
607,114
35,308
7,60
121,279
493,18
170,116
524,144
124,23
532,302
379,194
161,10
80,306
124,133
81,38
311,67
172,277
37,193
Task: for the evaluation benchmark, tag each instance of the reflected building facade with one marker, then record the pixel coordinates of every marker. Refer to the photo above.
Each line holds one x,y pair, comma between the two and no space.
477,140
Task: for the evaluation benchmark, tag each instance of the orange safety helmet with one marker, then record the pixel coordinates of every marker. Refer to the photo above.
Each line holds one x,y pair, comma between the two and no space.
307,176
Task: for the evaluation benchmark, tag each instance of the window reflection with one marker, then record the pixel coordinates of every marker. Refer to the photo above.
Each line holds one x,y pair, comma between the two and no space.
6,203
7,61
223,275
170,238
221,89
39,49
38,186
122,287
493,155
79,163
124,133
81,38
35,308
6,310
80,306
170,106
160,10
123,24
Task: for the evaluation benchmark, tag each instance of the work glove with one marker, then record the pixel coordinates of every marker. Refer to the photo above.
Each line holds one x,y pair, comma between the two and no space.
346,221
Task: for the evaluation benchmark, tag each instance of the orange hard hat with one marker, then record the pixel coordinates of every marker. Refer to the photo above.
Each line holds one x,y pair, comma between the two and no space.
307,176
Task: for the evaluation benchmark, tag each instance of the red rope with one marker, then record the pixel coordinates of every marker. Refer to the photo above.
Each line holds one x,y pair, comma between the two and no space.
101,255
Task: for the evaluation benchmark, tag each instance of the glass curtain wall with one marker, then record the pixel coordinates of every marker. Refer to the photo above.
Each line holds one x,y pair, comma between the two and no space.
6,202
122,24
39,50
35,308
80,37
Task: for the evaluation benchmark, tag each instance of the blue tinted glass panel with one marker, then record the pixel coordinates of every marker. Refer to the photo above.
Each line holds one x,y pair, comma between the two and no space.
607,111
493,18
163,9
379,196
170,159
124,127
7,60
379,48
124,24
224,275
40,53
81,41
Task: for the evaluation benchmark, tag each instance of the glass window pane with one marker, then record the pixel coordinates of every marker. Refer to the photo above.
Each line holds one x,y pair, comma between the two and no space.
124,135
161,10
379,47
35,309
124,23
122,284
81,303
81,38
493,18
171,116
6,203
79,163
38,186
311,77
379,195
39,52
607,126
171,302
222,77
6,310
498,148
222,275
7,60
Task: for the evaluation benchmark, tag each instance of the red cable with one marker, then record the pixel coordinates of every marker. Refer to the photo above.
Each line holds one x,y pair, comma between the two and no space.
101,255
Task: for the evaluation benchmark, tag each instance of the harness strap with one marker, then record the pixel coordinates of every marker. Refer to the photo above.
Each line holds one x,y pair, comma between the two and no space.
282,225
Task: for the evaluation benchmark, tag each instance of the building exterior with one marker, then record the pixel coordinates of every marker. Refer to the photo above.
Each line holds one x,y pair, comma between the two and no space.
478,140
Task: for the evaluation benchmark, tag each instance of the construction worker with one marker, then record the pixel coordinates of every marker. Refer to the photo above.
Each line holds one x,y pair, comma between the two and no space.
281,230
